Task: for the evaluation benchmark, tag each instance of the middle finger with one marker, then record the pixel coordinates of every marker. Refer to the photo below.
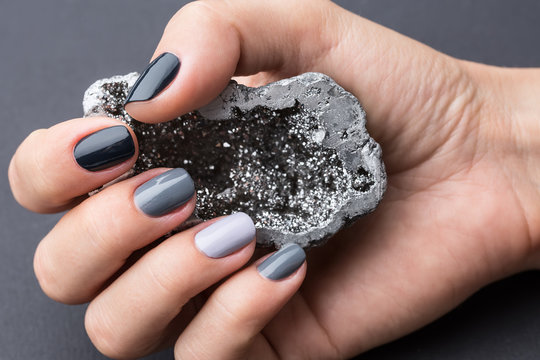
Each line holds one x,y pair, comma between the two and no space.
92,241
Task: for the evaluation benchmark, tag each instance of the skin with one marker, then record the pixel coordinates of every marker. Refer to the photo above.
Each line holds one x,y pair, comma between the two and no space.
461,210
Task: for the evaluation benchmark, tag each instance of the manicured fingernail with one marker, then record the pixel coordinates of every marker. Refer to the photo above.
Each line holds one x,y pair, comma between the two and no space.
104,148
156,77
225,236
283,262
165,192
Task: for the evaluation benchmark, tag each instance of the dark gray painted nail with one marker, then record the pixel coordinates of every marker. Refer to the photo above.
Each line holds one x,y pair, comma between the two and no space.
165,192
225,236
104,148
155,78
283,262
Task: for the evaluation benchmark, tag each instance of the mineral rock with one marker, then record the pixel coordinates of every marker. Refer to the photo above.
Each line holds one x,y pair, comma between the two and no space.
294,155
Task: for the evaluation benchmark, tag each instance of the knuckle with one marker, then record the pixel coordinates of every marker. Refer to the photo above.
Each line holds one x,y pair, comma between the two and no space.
106,331
231,313
21,164
187,350
166,282
47,277
106,233
31,186
58,285
204,10
14,181
100,331
44,187
197,7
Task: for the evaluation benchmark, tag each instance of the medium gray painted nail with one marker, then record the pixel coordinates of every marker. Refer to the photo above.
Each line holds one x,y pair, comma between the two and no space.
165,192
225,236
283,262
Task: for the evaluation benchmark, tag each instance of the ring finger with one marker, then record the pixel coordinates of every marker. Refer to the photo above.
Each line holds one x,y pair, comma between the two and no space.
135,314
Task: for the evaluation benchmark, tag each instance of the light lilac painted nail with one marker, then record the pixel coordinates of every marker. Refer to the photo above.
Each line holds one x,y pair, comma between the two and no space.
225,236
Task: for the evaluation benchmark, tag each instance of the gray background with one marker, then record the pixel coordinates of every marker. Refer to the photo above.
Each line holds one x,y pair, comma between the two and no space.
52,50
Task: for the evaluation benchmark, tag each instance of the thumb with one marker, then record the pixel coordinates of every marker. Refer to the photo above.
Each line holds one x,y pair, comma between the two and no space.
208,42
406,88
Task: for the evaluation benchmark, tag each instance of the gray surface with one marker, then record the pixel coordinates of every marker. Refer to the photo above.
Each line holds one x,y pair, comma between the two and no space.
52,50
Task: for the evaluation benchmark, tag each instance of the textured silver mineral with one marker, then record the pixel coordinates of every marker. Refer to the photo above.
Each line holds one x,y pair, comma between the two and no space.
294,155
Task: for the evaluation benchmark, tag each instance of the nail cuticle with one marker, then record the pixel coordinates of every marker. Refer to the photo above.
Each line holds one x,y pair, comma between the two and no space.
104,148
164,193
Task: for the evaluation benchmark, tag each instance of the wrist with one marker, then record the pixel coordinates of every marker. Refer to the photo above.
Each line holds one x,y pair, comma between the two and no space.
513,134
524,92
508,142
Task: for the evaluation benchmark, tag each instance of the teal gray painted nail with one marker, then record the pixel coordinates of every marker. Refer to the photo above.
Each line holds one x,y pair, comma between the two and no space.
283,262
165,192
225,236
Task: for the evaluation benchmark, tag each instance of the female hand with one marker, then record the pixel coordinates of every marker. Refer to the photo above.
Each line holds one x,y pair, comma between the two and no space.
460,210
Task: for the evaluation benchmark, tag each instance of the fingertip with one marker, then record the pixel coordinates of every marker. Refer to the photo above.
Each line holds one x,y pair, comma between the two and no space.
190,68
